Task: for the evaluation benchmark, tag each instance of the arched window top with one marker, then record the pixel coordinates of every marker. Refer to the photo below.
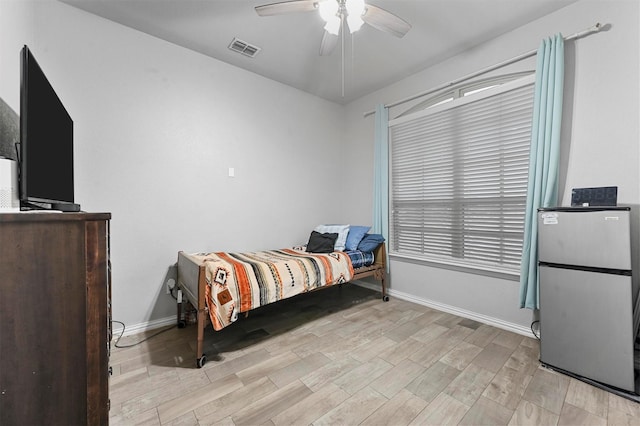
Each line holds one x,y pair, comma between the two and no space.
464,89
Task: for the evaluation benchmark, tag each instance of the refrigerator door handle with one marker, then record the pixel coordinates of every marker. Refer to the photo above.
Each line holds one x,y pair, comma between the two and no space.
625,272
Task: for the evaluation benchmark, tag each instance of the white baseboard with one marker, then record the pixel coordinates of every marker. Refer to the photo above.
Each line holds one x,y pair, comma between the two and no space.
142,327
495,322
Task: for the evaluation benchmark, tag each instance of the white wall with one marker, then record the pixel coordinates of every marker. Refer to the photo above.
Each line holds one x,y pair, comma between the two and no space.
156,129
601,144
16,30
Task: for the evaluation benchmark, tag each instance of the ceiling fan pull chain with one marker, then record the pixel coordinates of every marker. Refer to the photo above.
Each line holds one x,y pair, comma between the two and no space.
342,33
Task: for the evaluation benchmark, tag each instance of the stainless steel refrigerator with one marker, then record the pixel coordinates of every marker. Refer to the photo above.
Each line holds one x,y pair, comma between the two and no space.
587,293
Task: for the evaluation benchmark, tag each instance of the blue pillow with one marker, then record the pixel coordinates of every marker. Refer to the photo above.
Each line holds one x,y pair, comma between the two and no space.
370,242
355,235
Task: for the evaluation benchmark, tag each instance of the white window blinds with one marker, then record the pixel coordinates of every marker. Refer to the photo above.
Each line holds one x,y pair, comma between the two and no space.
459,178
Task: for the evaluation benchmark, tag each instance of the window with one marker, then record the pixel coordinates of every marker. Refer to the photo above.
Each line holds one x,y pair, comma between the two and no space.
459,178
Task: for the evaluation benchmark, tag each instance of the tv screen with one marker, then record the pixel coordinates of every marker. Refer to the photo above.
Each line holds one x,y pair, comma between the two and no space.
46,140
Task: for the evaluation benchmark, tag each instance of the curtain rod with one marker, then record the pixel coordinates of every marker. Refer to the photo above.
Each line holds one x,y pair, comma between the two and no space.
594,29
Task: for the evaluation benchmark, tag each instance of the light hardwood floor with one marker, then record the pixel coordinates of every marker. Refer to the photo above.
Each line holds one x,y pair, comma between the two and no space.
341,356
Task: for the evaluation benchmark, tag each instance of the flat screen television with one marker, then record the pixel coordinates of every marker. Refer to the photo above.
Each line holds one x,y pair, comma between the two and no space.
46,142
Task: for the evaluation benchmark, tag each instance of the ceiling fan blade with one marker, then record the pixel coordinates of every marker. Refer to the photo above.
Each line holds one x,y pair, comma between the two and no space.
329,42
385,21
285,7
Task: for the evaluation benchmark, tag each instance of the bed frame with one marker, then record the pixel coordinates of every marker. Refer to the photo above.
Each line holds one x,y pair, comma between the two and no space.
192,283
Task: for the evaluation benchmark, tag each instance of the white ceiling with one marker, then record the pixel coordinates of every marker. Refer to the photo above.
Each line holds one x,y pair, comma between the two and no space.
290,43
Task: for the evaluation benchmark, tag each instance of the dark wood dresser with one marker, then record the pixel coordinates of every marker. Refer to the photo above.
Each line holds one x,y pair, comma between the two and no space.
55,318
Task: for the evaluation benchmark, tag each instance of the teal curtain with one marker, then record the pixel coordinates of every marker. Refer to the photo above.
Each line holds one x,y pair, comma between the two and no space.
542,189
381,174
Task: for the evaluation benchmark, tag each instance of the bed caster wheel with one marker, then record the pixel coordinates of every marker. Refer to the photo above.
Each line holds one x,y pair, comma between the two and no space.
182,324
200,362
385,298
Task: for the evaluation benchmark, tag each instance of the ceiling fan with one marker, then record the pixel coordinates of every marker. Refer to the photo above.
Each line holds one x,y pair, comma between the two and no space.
338,12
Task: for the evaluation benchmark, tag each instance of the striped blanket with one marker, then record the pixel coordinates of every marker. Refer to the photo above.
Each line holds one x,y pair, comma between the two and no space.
239,282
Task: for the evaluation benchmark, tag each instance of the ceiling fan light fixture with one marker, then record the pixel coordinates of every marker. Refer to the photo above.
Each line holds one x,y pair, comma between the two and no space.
328,10
354,22
354,7
333,26
355,10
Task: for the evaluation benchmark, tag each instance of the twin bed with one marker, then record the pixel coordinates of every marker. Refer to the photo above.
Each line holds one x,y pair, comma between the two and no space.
220,285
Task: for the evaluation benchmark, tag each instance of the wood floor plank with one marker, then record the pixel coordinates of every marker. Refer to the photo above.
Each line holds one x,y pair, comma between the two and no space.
374,349
433,380
272,404
227,421
231,403
327,325
398,411
461,355
217,370
312,407
148,418
331,345
401,351
373,330
469,323
507,387
159,394
528,414
524,359
428,317
310,326
589,398
482,336
531,342
342,347
187,419
623,405
492,357
364,312
353,410
356,379
288,341
437,348
144,385
620,418
429,333
352,326
267,366
448,320
125,379
572,415
487,412
399,316
403,331
443,410
298,369
508,339
189,401
469,384
315,380
396,378
548,390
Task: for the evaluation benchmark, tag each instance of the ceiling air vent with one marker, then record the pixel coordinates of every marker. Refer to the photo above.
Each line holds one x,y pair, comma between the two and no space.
243,47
